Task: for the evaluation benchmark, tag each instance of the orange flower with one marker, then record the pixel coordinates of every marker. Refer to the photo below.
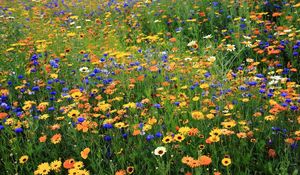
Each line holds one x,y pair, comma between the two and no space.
68,164
188,173
84,126
194,163
136,132
74,90
208,141
56,138
3,115
43,138
172,40
202,14
153,69
48,68
120,172
204,160
193,132
276,14
186,159
272,153
84,154
289,140
256,31
140,78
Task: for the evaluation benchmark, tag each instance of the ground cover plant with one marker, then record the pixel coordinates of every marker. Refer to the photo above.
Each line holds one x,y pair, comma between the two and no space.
149,87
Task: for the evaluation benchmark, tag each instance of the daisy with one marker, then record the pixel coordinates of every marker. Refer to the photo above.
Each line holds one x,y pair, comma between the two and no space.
211,59
160,151
207,37
230,47
84,69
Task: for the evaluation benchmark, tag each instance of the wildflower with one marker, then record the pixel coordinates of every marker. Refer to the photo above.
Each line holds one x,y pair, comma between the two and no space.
119,125
196,98
73,113
226,161
194,163
215,132
3,115
44,168
56,165
69,163
207,37
44,116
193,132
204,160
271,153
186,159
230,47
78,165
18,130
201,147
193,44
270,118
84,154
76,95
241,135
204,86
120,172
179,137
214,138
211,59
43,138
197,115
23,159
160,151
184,130
130,169
56,138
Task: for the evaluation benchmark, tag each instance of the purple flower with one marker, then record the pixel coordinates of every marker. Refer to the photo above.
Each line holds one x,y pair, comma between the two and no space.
18,130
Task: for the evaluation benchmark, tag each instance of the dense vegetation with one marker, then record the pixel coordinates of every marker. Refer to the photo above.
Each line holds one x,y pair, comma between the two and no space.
149,87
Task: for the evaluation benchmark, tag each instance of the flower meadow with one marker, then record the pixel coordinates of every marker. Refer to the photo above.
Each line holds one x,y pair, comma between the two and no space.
161,87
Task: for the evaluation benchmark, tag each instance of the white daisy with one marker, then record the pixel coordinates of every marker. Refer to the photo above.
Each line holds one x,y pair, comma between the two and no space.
160,151
230,47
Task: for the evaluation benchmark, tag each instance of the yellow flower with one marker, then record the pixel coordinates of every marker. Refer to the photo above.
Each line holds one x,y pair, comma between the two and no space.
210,116
147,127
197,115
44,117
73,171
229,124
23,159
76,95
179,137
119,125
297,133
73,113
270,117
104,107
56,165
226,161
204,86
215,132
167,139
196,98
184,130
78,165
44,168
54,76
214,138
